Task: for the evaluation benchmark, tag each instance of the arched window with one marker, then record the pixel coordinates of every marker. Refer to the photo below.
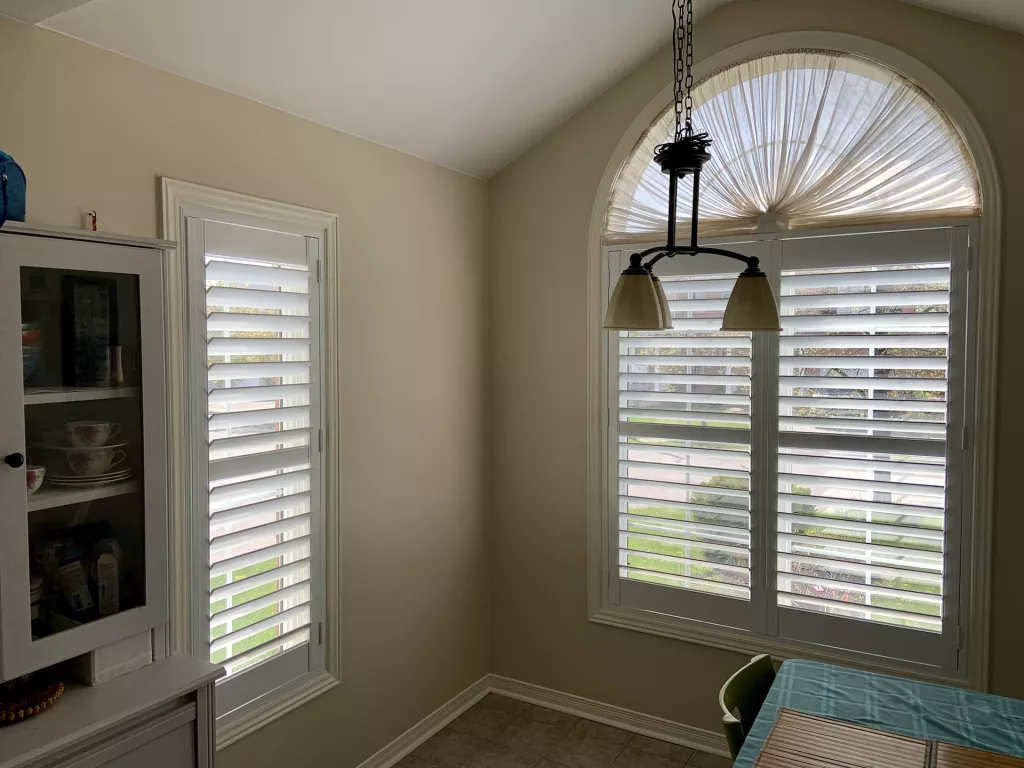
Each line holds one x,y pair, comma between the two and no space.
804,139
809,488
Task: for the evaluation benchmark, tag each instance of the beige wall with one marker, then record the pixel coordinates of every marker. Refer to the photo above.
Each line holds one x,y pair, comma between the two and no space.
96,130
540,210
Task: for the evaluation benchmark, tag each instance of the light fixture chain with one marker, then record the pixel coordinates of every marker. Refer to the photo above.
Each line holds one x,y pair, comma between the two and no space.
689,67
679,46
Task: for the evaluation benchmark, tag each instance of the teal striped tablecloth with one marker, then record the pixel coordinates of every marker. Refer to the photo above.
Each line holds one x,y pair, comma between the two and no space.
931,712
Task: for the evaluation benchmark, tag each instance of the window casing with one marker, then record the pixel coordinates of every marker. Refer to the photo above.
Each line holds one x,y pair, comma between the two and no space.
257,450
749,559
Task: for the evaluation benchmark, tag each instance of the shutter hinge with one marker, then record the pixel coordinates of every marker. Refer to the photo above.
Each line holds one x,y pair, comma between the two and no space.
318,270
965,439
320,441
320,632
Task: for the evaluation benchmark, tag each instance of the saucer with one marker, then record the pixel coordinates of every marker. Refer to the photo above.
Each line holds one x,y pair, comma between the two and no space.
106,477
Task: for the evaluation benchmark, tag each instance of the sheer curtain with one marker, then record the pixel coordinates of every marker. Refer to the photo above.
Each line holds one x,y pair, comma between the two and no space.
803,139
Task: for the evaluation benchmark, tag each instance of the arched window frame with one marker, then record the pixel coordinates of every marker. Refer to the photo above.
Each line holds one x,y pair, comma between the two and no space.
983,256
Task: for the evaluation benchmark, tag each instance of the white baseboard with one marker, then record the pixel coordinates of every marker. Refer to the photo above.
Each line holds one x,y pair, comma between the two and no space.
391,753
619,717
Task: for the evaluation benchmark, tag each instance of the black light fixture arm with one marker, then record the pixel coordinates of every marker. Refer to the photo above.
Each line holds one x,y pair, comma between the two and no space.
662,251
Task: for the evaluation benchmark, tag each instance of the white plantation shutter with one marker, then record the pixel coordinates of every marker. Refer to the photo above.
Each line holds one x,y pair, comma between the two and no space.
865,396
683,464
261,437
805,486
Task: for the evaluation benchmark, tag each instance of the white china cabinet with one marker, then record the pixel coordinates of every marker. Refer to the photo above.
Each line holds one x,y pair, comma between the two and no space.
83,507
83,512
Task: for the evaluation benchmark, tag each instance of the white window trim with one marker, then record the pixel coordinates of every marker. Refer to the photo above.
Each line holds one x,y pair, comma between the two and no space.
180,197
985,269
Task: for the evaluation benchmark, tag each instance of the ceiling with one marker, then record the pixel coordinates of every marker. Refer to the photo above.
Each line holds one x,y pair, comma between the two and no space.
396,72
469,84
1008,14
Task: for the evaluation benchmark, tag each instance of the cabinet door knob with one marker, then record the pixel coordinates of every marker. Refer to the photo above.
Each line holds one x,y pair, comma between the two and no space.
14,460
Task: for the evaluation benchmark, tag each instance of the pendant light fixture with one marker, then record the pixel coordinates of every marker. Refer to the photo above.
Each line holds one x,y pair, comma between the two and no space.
638,302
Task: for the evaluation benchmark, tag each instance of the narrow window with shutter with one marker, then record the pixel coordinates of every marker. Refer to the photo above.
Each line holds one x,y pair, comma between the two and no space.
257,408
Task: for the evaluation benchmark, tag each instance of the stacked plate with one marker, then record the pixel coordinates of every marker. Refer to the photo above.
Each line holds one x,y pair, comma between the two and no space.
79,480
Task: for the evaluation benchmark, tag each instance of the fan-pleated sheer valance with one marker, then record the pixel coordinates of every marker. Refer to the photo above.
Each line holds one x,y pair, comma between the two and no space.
803,139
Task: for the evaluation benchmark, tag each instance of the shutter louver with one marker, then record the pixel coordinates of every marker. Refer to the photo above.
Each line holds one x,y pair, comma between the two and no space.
862,442
261,424
684,403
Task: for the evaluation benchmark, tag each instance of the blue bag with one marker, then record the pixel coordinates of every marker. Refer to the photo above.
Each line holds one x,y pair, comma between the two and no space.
12,190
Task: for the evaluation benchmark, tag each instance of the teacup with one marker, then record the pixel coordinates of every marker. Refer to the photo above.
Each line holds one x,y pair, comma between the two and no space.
91,434
34,478
94,461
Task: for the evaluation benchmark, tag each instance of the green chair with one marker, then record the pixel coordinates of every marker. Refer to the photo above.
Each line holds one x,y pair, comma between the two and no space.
742,695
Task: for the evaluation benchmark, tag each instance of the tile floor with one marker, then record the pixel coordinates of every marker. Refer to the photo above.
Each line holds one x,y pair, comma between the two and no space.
499,732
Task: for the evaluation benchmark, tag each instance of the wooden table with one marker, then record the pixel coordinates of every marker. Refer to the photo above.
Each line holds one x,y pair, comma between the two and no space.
799,740
931,713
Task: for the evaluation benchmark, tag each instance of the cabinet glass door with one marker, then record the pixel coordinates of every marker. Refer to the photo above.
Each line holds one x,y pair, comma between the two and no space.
84,467
83,428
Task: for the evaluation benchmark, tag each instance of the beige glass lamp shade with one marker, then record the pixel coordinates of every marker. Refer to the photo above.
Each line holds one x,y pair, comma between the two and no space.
752,305
666,310
638,303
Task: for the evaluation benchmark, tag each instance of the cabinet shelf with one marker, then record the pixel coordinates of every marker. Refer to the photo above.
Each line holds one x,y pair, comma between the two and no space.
38,395
59,496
